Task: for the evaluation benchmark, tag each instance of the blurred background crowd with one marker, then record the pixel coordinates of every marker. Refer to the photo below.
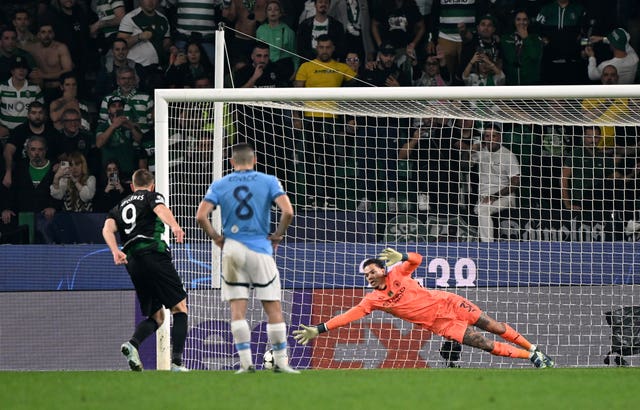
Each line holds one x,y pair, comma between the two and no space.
77,79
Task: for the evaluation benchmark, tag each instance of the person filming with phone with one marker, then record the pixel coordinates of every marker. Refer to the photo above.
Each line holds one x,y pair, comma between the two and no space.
116,137
73,184
112,188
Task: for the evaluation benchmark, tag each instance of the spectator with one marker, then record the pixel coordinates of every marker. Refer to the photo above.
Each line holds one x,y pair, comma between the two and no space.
71,25
584,176
482,71
399,23
320,24
561,25
147,33
106,79
197,21
307,10
264,128
321,128
36,125
499,179
110,189
504,11
607,110
144,152
355,18
52,59
16,94
68,100
625,59
9,50
355,62
189,64
30,189
138,106
195,160
73,138
261,73
447,26
484,41
245,17
434,73
22,23
385,72
201,82
74,185
11,230
435,150
116,137
105,29
522,53
377,137
280,38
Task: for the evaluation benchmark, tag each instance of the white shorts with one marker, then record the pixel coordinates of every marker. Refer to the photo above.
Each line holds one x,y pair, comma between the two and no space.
244,269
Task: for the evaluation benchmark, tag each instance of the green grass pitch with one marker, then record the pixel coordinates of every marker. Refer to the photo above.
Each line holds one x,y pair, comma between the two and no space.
546,389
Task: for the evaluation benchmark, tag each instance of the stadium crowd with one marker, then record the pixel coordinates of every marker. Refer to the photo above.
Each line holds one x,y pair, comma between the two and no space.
77,79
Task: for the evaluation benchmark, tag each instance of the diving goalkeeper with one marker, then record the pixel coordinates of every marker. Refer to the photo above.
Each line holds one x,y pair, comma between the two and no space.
444,313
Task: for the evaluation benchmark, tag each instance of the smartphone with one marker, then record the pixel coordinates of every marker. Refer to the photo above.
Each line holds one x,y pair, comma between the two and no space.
119,113
113,178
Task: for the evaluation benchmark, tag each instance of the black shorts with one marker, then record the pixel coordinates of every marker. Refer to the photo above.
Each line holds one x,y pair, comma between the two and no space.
156,281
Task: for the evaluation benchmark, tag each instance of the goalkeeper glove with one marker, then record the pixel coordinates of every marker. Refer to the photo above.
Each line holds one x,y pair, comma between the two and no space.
392,256
306,334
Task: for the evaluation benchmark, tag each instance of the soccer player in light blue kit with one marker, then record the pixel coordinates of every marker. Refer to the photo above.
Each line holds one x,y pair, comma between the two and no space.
245,197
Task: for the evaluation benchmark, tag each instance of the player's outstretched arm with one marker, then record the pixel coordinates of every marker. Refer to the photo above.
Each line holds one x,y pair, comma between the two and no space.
391,256
307,333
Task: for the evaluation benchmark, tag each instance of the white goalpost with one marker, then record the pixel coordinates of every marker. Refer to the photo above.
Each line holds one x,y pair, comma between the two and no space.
553,279
399,164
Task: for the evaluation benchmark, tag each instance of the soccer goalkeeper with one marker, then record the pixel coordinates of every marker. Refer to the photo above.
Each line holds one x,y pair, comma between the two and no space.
444,313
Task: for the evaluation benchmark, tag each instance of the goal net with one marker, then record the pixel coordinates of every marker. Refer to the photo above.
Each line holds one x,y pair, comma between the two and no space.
370,168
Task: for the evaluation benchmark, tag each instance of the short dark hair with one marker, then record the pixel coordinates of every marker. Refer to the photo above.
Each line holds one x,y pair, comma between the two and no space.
119,40
323,37
68,74
20,10
261,45
492,125
35,104
374,261
596,129
6,28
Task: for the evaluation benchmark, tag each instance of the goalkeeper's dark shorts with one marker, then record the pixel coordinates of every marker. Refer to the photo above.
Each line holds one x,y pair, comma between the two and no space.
455,314
156,281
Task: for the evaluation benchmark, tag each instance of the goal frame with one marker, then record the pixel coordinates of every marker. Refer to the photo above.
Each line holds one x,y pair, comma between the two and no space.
219,96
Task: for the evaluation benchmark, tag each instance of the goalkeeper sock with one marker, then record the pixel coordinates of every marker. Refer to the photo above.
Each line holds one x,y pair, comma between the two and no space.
242,339
277,334
143,330
506,350
178,337
511,335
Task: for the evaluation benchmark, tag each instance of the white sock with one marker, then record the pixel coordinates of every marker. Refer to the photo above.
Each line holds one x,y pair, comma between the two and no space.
242,339
277,333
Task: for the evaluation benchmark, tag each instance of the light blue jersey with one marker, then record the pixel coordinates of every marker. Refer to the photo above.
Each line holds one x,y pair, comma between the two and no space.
245,198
